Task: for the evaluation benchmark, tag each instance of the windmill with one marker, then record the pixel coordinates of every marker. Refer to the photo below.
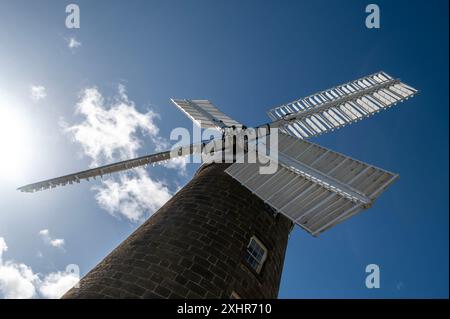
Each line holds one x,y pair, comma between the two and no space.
313,187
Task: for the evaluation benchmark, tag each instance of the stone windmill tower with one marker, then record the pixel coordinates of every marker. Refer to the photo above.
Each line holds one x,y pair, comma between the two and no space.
224,235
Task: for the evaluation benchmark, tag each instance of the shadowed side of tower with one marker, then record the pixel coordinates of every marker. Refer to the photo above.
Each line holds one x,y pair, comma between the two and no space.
196,246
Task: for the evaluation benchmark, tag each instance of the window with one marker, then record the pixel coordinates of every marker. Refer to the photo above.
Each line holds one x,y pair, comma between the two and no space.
256,254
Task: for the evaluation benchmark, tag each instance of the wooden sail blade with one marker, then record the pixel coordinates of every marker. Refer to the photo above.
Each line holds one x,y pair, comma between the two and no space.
339,106
315,187
111,168
205,114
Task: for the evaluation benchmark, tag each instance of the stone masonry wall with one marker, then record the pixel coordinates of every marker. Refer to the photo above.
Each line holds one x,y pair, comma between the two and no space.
194,247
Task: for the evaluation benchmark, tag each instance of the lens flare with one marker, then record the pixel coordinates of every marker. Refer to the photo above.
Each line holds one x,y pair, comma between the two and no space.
15,149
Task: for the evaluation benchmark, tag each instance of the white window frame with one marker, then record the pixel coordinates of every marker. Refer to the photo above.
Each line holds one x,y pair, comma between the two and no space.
235,295
264,257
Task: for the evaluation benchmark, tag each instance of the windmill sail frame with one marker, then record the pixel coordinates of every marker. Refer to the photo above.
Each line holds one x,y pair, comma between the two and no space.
315,187
205,114
337,107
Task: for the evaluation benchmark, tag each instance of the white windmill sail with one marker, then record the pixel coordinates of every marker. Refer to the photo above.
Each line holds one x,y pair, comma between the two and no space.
313,186
339,106
111,168
205,114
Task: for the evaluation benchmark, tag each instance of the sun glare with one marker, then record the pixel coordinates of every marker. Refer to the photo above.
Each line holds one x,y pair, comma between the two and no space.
14,147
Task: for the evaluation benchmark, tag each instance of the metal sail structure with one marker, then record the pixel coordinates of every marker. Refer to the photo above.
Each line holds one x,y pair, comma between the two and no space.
315,187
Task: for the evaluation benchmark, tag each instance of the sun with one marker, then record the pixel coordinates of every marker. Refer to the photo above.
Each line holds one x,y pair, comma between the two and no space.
14,143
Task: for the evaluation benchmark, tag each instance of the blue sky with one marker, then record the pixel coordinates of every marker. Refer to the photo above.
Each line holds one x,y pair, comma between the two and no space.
246,57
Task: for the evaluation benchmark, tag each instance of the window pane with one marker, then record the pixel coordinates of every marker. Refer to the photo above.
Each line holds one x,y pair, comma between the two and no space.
255,254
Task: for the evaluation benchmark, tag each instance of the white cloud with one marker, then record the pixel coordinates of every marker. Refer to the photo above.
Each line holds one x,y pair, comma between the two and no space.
177,163
38,92
133,197
18,281
111,131
3,247
72,43
57,284
57,242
